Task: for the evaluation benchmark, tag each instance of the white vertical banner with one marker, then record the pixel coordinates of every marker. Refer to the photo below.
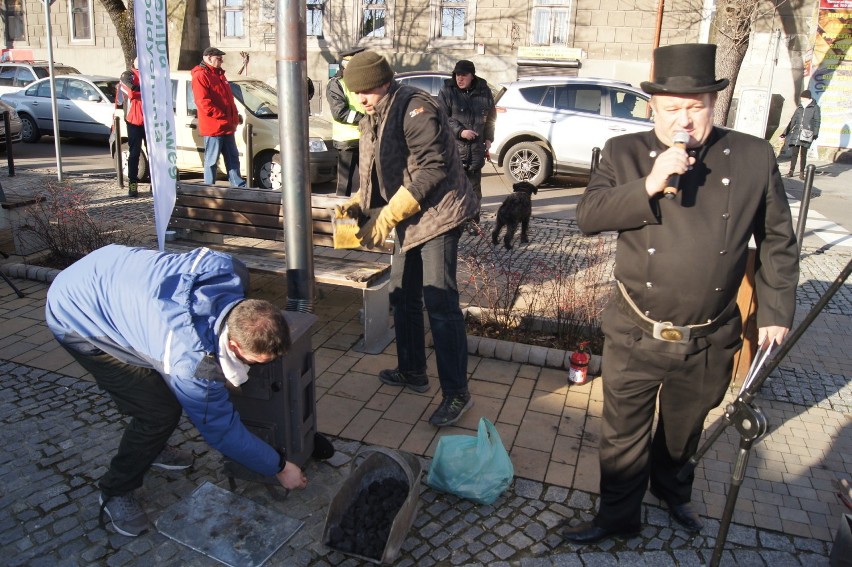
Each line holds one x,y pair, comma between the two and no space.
158,108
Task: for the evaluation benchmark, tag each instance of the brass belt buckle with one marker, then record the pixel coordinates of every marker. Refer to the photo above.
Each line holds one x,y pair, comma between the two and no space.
665,331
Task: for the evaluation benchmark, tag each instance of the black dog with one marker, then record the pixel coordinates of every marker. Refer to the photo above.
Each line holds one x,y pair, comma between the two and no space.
517,208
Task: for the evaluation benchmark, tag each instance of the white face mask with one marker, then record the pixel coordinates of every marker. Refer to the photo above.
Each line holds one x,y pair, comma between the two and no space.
805,101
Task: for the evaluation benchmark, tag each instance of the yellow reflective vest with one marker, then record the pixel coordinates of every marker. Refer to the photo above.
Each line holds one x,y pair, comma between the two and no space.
345,131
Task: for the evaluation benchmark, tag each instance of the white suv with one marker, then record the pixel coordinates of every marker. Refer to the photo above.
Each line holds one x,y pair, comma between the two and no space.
15,75
549,125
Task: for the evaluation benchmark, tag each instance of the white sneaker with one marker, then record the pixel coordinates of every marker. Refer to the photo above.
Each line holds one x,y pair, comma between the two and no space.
125,515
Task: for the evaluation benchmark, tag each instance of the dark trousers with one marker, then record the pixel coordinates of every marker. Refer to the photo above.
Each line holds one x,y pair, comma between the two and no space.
348,180
794,156
142,394
135,137
688,387
427,274
475,178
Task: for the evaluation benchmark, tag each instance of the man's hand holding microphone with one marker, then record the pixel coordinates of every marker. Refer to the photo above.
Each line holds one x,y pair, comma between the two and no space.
668,167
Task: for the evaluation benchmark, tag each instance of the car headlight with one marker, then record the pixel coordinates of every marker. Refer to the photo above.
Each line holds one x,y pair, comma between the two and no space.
317,145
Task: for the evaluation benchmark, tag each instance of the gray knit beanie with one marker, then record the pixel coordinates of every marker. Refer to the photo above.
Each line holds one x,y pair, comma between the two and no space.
367,70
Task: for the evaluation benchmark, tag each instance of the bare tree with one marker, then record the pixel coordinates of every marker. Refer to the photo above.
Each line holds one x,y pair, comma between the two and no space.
733,25
121,15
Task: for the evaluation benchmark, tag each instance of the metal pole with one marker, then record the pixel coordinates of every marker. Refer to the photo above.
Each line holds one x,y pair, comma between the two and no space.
803,206
119,169
10,160
53,92
291,54
596,159
249,129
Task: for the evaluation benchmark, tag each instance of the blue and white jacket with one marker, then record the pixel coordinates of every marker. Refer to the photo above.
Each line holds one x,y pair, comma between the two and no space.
162,311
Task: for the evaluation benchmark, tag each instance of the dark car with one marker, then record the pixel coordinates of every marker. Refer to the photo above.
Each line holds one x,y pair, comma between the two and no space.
433,81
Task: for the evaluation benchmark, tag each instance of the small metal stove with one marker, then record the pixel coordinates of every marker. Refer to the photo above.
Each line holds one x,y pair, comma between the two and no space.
278,402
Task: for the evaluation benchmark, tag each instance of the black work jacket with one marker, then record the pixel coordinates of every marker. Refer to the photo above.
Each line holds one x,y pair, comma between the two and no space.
682,260
469,109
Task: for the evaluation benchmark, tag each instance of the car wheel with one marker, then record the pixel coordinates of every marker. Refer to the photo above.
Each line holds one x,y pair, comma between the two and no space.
527,161
29,129
142,172
267,171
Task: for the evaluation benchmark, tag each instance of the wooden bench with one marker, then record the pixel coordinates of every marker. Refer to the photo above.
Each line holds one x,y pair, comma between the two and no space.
208,215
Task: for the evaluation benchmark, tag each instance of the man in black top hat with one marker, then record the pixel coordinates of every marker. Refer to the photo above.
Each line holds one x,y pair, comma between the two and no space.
673,325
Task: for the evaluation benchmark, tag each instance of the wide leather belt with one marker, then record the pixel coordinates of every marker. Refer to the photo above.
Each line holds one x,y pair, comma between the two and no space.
663,330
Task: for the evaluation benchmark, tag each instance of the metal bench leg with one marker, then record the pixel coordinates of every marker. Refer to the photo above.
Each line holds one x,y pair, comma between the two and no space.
377,332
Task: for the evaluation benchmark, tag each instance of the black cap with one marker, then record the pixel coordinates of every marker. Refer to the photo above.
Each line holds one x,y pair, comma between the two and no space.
463,67
805,94
351,51
213,51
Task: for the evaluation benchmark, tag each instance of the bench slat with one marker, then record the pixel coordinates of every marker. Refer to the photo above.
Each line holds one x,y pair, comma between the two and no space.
333,271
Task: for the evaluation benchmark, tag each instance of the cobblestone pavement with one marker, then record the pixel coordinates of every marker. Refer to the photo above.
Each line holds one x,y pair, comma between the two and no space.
58,434
59,431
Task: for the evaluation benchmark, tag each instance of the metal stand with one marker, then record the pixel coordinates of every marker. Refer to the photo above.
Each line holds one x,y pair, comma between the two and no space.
7,280
749,420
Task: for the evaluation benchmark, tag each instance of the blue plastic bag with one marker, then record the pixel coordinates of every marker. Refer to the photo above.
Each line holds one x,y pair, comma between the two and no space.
477,468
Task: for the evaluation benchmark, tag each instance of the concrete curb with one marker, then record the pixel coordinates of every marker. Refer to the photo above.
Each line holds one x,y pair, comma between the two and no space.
29,272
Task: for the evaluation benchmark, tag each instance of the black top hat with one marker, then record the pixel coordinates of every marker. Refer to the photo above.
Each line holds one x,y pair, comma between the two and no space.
686,68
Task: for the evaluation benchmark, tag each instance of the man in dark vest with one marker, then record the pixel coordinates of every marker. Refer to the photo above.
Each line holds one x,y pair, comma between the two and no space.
412,181
673,325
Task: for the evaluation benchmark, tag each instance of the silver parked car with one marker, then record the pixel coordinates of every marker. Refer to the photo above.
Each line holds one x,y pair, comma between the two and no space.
14,125
84,105
549,125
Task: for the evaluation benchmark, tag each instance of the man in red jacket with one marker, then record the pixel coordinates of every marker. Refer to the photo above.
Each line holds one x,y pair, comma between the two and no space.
217,117
134,119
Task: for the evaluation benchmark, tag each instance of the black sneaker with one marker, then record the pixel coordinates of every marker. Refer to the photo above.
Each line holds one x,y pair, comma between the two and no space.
451,410
173,459
133,189
125,515
417,381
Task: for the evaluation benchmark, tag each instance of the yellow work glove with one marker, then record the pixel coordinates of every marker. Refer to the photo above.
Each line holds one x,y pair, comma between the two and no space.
350,209
401,206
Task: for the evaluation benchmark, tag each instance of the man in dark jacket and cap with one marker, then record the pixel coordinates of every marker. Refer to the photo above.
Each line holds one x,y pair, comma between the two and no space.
673,325
469,105
346,113
412,181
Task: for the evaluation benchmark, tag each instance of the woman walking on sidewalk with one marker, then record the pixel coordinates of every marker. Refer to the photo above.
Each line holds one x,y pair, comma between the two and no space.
802,131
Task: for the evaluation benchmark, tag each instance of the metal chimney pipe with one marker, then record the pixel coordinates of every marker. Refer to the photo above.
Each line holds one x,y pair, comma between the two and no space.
290,66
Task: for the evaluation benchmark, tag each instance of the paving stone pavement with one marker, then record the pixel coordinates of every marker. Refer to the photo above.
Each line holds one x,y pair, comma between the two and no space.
59,431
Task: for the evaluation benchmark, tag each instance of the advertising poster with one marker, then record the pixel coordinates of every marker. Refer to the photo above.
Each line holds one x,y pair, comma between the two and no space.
830,73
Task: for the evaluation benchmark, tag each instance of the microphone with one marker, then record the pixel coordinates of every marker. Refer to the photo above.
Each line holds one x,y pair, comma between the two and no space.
680,140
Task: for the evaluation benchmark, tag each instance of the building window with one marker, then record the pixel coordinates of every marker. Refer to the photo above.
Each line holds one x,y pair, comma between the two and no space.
551,22
452,24
316,10
453,18
234,19
16,29
82,25
374,19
